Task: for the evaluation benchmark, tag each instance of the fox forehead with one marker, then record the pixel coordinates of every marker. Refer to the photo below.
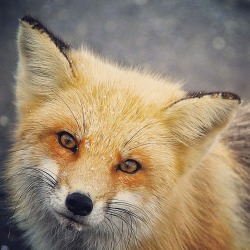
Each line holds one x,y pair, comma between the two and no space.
91,70
99,114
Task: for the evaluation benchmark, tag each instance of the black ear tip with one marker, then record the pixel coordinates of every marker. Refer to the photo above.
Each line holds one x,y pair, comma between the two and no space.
223,95
230,96
29,19
34,23
38,25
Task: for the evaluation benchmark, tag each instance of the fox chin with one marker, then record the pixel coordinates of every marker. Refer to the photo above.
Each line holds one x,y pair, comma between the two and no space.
107,157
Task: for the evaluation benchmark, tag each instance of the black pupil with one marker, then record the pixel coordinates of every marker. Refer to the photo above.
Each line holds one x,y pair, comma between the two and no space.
68,140
130,164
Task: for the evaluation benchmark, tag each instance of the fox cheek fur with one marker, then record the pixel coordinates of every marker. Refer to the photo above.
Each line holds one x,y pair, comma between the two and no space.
112,158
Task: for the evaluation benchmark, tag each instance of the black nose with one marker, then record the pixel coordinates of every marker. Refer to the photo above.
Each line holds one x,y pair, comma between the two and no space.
79,204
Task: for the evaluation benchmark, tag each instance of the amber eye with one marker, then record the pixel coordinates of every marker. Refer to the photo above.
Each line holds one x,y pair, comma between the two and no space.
67,141
129,166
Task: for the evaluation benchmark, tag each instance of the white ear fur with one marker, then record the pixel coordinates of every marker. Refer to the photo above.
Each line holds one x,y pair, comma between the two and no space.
200,116
43,64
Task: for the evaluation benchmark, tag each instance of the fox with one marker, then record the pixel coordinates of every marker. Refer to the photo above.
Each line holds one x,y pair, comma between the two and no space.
106,156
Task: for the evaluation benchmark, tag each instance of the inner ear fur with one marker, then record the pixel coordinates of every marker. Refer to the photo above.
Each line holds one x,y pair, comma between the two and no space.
199,117
44,65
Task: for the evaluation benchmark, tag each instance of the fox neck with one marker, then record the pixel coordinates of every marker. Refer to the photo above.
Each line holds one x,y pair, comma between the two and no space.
197,216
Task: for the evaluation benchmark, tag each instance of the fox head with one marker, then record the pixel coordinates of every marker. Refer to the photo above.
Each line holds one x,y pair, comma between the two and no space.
98,147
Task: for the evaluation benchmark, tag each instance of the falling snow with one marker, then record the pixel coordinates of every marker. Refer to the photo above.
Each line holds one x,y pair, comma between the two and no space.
64,173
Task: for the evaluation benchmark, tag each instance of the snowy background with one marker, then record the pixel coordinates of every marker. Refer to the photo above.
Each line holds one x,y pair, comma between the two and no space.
204,43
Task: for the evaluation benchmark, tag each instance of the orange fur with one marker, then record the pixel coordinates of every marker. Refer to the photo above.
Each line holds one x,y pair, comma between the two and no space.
188,189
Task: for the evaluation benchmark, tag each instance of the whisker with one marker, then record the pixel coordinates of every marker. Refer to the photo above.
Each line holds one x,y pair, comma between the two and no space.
137,132
82,107
120,232
70,110
124,212
144,144
36,183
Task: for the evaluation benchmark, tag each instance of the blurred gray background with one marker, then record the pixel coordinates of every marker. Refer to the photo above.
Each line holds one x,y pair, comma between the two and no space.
204,43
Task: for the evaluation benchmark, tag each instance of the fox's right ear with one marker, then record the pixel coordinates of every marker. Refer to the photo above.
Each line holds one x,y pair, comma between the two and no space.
44,65
196,120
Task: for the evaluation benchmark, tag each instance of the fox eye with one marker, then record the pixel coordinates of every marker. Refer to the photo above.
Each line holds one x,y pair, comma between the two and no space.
129,166
67,141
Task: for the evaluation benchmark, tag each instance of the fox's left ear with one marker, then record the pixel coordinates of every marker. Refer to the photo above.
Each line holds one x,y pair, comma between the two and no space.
44,65
194,121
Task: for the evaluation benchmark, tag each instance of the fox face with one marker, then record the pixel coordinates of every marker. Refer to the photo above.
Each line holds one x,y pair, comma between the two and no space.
95,159
100,150
93,163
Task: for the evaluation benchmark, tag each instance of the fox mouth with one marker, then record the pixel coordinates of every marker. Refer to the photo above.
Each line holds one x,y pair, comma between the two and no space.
70,222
